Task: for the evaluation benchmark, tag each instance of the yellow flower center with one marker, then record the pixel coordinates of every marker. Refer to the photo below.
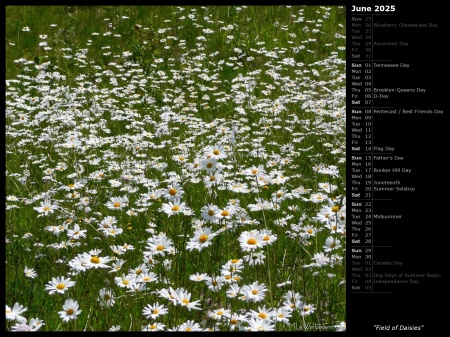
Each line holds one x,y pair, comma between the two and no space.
155,311
262,315
172,191
175,208
212,178
152,326
185,301
220,313
188,329
138,271
60,286
210,212
310,231
216,152
95,259
335,209
234,261
107,297
181,158
254,292
160,247
254,171
251,241
69,311
71,186
234,321
126,282
225,213
209,165
46,209
266,238
203,238
116,204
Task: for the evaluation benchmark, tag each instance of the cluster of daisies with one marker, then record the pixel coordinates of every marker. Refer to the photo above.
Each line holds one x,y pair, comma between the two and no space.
139,186
261,319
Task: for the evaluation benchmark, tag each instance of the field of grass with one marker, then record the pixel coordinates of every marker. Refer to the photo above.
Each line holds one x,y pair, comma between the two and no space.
175,168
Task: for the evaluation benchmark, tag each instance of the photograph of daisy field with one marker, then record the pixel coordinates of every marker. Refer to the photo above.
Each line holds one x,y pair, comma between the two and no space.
175,168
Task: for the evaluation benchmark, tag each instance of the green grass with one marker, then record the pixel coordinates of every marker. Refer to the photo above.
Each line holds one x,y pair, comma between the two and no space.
106,77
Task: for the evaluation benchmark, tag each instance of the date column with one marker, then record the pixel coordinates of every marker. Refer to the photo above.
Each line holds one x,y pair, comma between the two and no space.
361,175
